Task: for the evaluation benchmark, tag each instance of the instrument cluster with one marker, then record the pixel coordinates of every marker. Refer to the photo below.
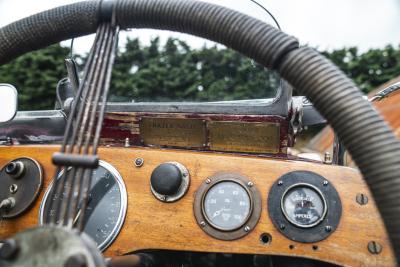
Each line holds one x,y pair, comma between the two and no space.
302,205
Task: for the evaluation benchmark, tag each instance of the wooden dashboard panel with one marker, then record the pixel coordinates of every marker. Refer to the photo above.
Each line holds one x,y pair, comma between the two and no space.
151,224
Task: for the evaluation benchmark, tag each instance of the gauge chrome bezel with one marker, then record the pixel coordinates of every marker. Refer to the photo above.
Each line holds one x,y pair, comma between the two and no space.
248,224
243,186
325,227
122,211
320,195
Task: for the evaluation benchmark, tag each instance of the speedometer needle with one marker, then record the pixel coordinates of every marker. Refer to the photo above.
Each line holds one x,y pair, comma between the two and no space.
218,212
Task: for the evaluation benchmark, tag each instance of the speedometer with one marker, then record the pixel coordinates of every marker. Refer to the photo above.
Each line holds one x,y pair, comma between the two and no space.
106,208
227,205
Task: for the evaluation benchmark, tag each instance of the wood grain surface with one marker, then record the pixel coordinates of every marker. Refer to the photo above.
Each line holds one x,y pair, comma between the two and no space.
151,224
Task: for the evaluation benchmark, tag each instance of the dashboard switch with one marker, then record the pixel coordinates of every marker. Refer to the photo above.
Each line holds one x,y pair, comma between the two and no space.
169,181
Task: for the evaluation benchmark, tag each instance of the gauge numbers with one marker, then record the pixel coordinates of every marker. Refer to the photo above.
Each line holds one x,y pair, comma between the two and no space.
227,205
303,205
106,208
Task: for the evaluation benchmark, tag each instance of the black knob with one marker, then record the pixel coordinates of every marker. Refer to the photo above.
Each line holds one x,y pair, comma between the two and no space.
9,249
15,169
76,261
12,168
166,179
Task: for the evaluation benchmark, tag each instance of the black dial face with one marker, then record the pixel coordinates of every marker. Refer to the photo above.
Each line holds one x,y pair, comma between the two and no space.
106,206
303,206
227,205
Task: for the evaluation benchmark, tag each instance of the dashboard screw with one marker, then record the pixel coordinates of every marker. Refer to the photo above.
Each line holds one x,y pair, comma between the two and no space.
250,184
326,183
208,181
247,228
9,249
374,247
282,226
202,223
13,188
361,199
280,182
328,228
139,162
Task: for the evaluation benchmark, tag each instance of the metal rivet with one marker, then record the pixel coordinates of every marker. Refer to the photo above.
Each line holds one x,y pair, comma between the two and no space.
247,228
280,182
326,183
250,184
374,247
282,226
328,228
9,249
13,188
127,144
361,199
327,158
208,181
139,162
202,223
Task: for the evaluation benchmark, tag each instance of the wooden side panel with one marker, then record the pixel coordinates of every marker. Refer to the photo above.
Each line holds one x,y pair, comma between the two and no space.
151,224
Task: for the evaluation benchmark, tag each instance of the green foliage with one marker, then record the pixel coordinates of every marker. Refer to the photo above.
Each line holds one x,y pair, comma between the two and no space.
369,69
175,72
36,75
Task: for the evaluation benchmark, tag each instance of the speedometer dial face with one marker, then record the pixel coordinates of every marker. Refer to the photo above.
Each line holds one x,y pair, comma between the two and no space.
106,206
227,205
303,205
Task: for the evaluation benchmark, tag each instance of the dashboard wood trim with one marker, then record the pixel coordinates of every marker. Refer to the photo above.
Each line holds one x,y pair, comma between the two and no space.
151,224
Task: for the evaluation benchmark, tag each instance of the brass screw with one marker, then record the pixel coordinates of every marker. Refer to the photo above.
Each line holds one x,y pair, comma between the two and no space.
13,188
374,247
361,199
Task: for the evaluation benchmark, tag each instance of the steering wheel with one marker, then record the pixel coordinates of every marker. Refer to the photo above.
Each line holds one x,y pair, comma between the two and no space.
368,138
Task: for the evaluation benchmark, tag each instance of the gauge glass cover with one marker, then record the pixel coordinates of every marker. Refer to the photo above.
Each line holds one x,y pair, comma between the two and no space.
227,205
106,206
303,205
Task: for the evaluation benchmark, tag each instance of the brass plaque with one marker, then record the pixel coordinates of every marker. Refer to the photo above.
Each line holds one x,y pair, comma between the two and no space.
254,137
173,132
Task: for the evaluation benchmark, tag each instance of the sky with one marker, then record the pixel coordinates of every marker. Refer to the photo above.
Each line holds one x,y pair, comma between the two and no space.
324,24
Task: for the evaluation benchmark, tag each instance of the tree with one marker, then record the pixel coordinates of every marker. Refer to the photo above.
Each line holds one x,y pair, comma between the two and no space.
36,75
369,69
175,72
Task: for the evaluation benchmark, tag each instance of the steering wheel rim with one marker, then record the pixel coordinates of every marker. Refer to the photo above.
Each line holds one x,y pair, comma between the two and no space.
365,134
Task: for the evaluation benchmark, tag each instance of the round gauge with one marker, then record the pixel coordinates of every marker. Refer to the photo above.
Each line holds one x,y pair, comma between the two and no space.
106,208
227,205
303,205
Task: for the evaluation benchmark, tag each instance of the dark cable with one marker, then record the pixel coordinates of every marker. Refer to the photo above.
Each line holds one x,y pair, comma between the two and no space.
269,13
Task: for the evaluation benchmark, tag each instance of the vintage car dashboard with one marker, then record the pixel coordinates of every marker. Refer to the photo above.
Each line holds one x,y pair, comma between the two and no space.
170,199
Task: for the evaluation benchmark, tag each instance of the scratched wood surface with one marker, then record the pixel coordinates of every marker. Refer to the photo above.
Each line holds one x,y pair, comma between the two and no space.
151,224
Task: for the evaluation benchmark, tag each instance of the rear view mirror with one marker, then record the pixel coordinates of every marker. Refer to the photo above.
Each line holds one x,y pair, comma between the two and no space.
8,102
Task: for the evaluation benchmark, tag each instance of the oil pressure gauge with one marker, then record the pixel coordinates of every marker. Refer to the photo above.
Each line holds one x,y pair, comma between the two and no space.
304,206
227,206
